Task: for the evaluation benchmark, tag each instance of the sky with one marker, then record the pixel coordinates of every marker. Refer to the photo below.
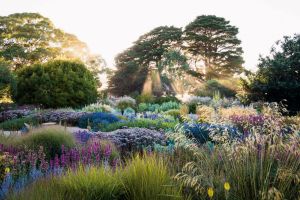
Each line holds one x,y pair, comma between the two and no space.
110,26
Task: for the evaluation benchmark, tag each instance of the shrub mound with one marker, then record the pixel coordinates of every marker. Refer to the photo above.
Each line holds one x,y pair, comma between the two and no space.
132,139
56,84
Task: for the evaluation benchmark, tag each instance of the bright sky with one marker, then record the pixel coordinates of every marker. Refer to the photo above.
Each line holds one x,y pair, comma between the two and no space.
110,26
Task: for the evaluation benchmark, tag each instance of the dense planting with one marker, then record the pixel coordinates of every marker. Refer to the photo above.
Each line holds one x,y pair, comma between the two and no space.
222,150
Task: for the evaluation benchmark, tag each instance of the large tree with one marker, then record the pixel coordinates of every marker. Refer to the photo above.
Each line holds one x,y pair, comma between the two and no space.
213,41
28,38
278,75
133,64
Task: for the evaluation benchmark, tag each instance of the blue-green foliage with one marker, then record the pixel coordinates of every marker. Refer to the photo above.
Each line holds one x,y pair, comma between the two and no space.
157,107
96,120
202,131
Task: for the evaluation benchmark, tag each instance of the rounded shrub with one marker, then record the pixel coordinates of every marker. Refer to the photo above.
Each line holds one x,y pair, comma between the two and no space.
174,113
56,84
51,138
124,102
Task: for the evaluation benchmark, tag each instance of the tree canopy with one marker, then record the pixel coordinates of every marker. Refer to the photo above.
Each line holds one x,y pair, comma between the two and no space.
277,78
28,38
133,64
213,41
6,80
209,39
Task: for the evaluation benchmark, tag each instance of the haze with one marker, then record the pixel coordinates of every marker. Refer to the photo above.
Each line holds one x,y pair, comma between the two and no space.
109,27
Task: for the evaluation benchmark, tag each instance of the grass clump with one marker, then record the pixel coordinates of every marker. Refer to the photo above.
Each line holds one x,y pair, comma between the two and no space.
51,138
18,124
143,178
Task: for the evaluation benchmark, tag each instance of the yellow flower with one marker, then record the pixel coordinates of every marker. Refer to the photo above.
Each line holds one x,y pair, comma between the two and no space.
227,186
210,192
7,170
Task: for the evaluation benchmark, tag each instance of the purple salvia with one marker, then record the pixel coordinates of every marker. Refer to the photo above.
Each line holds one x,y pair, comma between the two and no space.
107,151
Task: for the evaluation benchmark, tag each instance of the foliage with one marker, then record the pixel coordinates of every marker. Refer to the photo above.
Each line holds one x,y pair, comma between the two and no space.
141,123
50,138
174,113
125,102
212,86
226,113
148,178
97,183
193,101
97,107
30,38
169,106
56,84
163,99
262,167
134,139
157,107
205,113
142,178
97,120
145,98
18,124
60,116
214,41
7,80
133,64
29,166
277,78
203,132
14,114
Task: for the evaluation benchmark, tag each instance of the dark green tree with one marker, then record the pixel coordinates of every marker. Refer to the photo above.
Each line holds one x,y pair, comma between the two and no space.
55,84
133,64
29,38
213,41
278,76
6,80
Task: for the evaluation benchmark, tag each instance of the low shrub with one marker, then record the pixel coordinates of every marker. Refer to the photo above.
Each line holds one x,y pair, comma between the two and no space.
203,132
141,123
143,107
161,100
18,124
61,116
14,114
222,86
134,139
169,106
145,98
97,107
124,102
174,113
50,138
193,101
97,120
